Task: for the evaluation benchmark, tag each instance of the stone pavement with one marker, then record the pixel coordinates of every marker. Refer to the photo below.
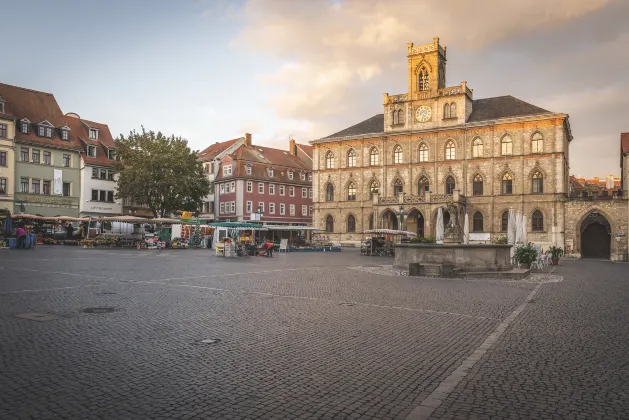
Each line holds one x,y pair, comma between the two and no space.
304,336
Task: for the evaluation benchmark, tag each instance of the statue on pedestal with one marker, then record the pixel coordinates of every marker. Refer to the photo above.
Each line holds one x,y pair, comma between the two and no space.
453,232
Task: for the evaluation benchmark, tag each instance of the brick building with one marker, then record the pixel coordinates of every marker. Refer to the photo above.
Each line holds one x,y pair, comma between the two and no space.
276,183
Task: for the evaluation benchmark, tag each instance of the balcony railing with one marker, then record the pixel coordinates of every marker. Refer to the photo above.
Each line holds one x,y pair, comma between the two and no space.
427,198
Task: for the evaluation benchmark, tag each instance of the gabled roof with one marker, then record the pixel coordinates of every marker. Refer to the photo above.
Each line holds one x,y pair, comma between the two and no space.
502,107
79,129
306,148
371,125
210,152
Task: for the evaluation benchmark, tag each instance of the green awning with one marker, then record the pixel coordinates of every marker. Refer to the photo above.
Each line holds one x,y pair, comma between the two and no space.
240,225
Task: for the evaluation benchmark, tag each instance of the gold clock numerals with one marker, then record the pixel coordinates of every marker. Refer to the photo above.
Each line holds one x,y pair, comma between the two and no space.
423,113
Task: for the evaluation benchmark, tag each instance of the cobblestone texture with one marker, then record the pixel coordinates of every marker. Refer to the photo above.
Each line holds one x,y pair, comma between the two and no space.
302,336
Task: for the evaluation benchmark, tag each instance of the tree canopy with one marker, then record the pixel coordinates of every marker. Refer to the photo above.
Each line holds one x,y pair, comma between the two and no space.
160,172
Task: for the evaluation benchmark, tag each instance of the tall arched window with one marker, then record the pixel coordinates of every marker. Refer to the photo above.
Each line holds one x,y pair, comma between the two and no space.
452,110
398,187
423,186
537,143
506,145
423,79
477,148
394,117
477,222
504,221
446,111
373,156
373,189
537,183
351,192
423,152
450,184
329,160
400,117
450,150
371,221
329,192
398,154
507,184
537,220
477,185
329,223
351,158
351,223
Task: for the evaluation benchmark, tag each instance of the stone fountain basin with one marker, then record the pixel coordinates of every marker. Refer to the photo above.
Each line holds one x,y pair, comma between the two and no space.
465,258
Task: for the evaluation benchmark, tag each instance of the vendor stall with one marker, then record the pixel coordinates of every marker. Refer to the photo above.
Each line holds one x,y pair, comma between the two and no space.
382,242
236,238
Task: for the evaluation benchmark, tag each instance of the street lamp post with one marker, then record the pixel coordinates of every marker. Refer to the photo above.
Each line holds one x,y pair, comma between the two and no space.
260,213
402,213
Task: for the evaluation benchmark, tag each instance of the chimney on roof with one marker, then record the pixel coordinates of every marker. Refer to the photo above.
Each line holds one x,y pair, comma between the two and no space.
292,147
247,139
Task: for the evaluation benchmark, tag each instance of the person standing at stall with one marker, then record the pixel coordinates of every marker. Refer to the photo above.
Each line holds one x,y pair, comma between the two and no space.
69,230
20,234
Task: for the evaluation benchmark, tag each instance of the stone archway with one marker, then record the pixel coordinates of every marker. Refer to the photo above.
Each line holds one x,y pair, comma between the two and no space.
415,222
389,220
595,236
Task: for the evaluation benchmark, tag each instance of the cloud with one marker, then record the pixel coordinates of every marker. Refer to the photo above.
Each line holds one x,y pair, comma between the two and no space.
337,57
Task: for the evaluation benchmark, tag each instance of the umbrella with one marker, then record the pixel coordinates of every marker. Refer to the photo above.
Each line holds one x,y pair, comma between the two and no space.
524,230
439,232
466,229
8,225
518,228
511,231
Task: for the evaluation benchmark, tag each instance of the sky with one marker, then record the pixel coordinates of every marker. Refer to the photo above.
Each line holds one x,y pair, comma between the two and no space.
212,70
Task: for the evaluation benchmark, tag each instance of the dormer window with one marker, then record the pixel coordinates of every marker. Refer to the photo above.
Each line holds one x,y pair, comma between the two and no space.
227,170
111,154
93,134
271,173
91,151
24,126
41,131
290,175
49,132
248,170
302,176
65,134
1,106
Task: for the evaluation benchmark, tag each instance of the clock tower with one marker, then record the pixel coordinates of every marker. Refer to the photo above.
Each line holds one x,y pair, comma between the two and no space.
429,103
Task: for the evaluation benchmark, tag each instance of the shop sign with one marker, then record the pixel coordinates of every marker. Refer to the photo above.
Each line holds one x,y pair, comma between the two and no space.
47,199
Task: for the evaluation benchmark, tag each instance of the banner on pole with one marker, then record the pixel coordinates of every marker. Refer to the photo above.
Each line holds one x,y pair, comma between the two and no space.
57,188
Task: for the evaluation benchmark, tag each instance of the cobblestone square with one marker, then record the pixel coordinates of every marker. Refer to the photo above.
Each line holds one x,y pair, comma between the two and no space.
304,336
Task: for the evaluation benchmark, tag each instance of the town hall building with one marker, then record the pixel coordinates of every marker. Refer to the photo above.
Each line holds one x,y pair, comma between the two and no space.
434,144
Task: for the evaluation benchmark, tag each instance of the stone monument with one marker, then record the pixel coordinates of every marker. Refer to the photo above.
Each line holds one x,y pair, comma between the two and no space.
453,233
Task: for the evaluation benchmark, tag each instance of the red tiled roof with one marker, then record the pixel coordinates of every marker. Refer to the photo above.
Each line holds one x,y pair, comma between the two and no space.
212,151
37,107
80,128
596,183
307,149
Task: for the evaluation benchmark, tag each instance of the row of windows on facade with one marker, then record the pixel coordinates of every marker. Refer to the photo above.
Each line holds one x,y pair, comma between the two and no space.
227,171
478,222
537,146
229,187
45,129
41,187
449,111
92,152
230,207
102,173
423,186
36,157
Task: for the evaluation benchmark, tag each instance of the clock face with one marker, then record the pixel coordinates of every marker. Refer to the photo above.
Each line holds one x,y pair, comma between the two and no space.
423,113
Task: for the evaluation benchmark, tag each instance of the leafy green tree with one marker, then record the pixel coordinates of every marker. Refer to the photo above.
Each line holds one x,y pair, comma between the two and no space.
160,172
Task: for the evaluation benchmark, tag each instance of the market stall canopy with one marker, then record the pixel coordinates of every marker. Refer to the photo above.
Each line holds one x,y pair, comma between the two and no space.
127,219
69,219
27,216
165,220
390,232
281,227
238,225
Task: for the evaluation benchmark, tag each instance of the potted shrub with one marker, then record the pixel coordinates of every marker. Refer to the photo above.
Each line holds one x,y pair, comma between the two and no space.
525,255
555,253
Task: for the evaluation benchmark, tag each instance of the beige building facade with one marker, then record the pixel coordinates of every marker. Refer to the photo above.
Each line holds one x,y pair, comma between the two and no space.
436,143
7,159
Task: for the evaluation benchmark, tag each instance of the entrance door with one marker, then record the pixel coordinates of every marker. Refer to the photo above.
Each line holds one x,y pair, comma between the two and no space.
595,237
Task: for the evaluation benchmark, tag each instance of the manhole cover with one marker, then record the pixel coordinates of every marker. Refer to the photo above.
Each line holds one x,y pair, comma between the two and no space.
211,341
37,316
98,310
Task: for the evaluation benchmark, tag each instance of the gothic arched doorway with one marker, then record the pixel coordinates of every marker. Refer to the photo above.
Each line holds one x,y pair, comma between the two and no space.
389,220
595,237
415,222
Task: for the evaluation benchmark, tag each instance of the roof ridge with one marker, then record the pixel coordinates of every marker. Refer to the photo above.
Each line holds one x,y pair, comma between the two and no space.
27,89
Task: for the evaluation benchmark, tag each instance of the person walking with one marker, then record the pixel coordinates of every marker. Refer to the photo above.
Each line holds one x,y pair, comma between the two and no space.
20,234
69,230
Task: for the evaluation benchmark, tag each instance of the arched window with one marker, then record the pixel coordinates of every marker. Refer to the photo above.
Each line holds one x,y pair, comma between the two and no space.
423,186
446,111
507,184
450,150
537,183
395,120
373,189
373,156
329,160
351,223
507,146
423,152
477,148
504,221
398,154
477,185
329,224
397,187
423,79
537,143
329,193
477,222
351,158
537,224
400,117
450,185
452,110
351,192
371,221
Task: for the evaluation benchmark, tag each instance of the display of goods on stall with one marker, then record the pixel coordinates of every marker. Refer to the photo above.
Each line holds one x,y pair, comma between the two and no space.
180,243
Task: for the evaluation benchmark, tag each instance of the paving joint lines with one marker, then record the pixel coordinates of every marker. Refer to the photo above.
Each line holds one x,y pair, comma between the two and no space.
445,388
